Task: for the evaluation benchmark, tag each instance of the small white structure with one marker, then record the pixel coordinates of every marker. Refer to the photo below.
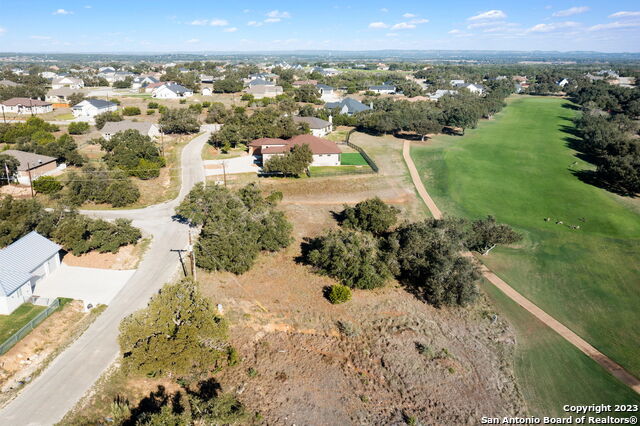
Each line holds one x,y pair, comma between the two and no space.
478,89
92,107
319,128
26,106
71,82
455,83
23,265
440,93
383,89
563,82
206,91
171,91
144,128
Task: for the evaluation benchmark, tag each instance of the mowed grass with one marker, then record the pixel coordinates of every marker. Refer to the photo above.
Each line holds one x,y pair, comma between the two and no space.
352,159
9,324
518,167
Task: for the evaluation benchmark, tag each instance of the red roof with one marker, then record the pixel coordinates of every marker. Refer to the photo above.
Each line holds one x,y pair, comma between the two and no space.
317,145
25,102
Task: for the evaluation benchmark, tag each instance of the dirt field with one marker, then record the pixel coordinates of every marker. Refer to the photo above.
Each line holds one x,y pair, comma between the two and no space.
127,257
28,356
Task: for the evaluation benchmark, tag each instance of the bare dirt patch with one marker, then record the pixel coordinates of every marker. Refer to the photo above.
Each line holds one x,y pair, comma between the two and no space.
127,257
31,353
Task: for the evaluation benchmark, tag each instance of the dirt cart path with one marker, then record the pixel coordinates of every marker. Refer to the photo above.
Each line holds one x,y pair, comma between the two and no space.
607,363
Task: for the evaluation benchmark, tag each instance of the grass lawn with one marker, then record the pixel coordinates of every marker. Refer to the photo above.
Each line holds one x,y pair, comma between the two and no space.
518,168
68,116
352,159
9,324
323,171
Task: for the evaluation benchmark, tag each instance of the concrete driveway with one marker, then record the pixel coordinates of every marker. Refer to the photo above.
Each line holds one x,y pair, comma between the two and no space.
244,164
91,285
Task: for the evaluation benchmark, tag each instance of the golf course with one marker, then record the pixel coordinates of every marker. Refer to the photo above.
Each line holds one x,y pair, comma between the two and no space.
578,259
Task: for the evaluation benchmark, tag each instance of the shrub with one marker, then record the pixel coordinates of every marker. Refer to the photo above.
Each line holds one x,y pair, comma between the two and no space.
151,111
183,101
131,110
371,215
78,128
196,108
293,163
339,293
101,119
153,105
206,104
247,97
179,121
46,185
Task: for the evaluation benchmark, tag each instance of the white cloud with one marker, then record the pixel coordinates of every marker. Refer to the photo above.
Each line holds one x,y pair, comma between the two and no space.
489,14
378,25
403,26
615,25
455,32
199,22
272,20
88,6
546,28
392,34
419,21
2,30
485,24
624,14
62,12
39,37
193,40
278,14
572,11
230,30
219,23
384,10
409,15
254,24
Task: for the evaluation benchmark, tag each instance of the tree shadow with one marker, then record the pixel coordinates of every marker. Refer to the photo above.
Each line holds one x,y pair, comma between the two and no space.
591,177
571,107
307,245
150,405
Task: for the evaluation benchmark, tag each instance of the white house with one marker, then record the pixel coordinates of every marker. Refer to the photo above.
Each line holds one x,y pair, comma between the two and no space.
143,81
171,91
440,93
93,107
71,82
325,152
478,89
60,96
24,264
319,128
26,106
383,89
563,82
455,83
348,106
144,128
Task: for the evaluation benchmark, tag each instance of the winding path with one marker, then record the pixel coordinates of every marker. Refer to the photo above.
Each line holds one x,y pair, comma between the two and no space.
51,395
607,363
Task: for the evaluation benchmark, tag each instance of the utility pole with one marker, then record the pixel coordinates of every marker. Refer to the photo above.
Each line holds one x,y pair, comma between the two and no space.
192,255
30,181
4,118
224,172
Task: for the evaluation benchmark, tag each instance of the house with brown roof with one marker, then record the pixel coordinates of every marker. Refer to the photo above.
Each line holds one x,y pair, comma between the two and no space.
26,106
325,152
32,165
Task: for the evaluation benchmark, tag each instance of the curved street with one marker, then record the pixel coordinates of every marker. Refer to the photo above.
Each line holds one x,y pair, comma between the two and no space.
66,379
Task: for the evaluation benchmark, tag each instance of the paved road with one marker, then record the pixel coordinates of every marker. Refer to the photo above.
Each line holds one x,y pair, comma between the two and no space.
48,398
607,363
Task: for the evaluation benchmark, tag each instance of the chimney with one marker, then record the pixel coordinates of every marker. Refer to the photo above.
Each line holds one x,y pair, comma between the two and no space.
371,105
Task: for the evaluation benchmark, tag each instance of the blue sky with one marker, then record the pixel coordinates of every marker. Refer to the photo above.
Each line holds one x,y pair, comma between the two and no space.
138,26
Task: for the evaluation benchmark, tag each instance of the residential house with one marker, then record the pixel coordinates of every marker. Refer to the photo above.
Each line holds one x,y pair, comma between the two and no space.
32,166
455,83
72,82
171,91
26,106
319,127
143,81
264,91
260,82
348,106
300,83
383,89
23,265
440,93
143,127
153,86
49,75
478,89
206,78
562,82
60,96
93,107
325,152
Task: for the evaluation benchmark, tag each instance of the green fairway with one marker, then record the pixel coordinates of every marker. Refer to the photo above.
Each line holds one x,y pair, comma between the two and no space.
9,324
518,167
352,159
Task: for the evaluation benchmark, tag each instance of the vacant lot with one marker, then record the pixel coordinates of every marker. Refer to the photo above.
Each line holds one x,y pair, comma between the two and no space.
580,265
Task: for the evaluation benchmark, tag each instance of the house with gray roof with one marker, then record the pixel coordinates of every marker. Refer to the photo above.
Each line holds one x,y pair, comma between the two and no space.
144,128
171,91
319,128
93,107
32,165
348,106
383,89
24,264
